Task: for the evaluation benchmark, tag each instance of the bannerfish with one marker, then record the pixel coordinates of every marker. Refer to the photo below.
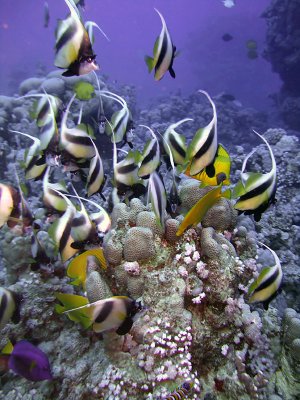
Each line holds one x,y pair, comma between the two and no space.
73,46
60,230
217,172
76,141
46,14
158,198
114,313
256,191
164,53
52,194
96,177
9,306
203,147
150,159
121,120
176,142
28,361
198,211
77,268
25,214
34,163
9,201
267,285
180,392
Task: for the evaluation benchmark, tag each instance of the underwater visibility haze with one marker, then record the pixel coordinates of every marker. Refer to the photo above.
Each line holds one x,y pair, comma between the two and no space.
149,199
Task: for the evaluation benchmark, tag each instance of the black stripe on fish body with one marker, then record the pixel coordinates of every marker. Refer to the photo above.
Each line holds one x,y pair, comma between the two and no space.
126,169
176,145
46,127
66,36
258,190
120,122
65,236
151,155
95,172
210,170
163,51
206,145
105,311
17,298
78,221
125,326
85,50
81,140
43,111
158,197
3,305
267,282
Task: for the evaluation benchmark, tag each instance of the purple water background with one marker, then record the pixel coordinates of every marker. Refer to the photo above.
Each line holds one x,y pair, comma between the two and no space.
196,27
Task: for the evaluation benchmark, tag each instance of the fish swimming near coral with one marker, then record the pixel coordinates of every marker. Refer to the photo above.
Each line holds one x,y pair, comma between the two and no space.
114,313
256,191
164,53
158,197
9,200
217,172
175,142
266,286
28,361
96,178
198,211
52,194
73,46
150,158
9,306
180,393
203,147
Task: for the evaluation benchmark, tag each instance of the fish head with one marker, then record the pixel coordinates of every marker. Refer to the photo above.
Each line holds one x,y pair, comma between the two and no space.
87,64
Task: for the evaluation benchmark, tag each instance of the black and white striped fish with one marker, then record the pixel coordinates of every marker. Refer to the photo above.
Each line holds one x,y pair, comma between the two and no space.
114,313
9,306
203,147
73,46
256,191
163,53
267,284
34,163
60,230
121,120
9,200
176,142
180,393
158,197
150,159
95,178
75,141
52,194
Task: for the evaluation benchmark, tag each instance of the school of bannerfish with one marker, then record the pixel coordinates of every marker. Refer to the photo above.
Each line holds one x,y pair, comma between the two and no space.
78,233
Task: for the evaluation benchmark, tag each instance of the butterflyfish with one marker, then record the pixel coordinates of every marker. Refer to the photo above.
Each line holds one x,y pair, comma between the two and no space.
256,191
158,198
9,306
77,268
114,313
73,46
198,211
267,284
76,141
215,173
68,302
52,194
150,158
176,142
9,201
164,53
203,147
95,178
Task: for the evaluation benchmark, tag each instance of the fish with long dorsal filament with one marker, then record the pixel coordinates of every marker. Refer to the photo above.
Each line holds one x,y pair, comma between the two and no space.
158,198
52,194
73,48
114,313
9,306
150,159
198,211
203,147
267,284
89,26
256,191
121,120
176,142
9,205
164,53
75,141
96,178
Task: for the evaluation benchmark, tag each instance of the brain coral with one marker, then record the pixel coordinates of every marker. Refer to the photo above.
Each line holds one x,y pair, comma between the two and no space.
138,244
